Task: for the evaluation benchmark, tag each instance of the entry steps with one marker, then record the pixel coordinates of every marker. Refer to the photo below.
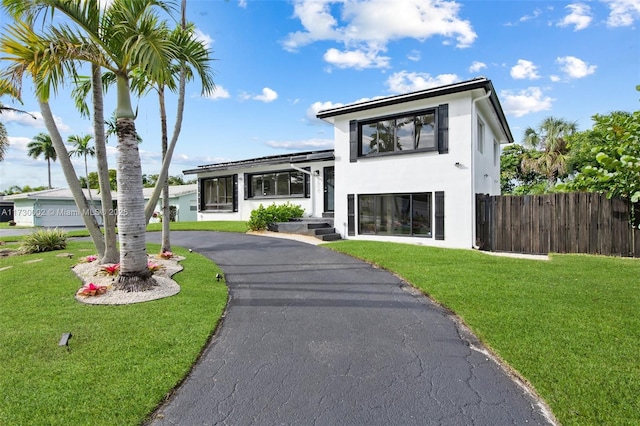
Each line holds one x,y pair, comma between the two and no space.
319,227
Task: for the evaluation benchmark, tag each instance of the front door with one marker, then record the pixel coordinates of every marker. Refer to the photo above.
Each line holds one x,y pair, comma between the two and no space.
328,188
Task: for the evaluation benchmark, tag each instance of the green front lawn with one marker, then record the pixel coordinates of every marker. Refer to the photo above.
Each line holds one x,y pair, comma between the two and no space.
217,225
123,360
570,326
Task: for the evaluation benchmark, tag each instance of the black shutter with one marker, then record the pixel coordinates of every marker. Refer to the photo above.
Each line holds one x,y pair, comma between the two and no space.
353,141
443,129
200,198
307,183
235,192
351,214
247,186
439,234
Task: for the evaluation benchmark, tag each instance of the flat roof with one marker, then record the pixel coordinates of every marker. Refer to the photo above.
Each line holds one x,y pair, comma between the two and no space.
299,157
462,86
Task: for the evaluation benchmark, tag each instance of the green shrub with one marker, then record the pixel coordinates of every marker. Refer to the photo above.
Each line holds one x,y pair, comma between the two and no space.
44,240
262,217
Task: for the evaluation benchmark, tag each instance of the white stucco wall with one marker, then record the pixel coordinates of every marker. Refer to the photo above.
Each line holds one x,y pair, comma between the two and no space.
313,206
452,172
23,213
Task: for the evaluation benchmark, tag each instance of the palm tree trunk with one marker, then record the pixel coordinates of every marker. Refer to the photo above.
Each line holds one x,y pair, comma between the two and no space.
134,272
49,171
166,160
111,254
166,209
72,179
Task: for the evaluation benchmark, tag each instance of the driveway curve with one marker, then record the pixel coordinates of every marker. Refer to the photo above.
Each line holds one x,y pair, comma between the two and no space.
312,336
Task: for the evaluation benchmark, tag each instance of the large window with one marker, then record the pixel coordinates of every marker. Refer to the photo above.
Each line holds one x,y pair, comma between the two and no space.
218,194
395,214
399,134
286,183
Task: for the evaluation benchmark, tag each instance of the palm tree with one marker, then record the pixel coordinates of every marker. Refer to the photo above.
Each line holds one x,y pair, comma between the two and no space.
124,37
549,139
32,55
194,54
82,149
42,144
194,58
4,141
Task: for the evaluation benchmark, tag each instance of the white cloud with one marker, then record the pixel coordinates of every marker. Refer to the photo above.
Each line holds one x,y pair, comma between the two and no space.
414,55
525,18
623,13
316,107
534,15
204,38
405,82
580,16
574,67
219,93
357,59
242,3
554,78
28,120
302,144
525,101
524,70
18,143
477,66
268,95
367,26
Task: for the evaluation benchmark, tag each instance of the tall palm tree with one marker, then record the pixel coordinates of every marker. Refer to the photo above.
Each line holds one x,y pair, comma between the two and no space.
549,139
42,144
30,54
129,35
193,59
82,149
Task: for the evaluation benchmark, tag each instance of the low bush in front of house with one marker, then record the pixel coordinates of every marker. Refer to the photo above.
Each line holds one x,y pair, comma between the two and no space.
44,240
262,217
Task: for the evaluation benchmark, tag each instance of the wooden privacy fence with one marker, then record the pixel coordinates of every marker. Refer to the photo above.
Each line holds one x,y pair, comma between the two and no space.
557,223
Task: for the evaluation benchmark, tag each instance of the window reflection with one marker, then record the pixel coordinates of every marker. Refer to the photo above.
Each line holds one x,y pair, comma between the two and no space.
395,214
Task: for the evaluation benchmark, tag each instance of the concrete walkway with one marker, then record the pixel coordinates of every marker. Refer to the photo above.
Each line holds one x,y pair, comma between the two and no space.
316,337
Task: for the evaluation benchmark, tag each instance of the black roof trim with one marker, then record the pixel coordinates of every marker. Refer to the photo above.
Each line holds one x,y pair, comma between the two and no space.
463,86
299,157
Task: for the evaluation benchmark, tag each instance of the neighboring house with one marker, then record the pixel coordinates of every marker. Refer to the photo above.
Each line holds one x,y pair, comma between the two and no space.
56,207
6,210
404,168
183,197
408,167
230,191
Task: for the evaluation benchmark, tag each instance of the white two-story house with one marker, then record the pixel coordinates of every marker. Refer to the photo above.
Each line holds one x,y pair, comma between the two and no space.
404,168
409,166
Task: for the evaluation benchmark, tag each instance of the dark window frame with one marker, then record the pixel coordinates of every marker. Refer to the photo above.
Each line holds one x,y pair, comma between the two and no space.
249,190
229,180
413,220
364,123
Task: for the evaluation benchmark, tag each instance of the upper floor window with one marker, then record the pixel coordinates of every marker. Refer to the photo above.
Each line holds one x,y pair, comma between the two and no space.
403,133
277,184
416,131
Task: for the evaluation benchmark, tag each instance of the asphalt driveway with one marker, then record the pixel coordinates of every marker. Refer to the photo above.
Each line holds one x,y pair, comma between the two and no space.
316,337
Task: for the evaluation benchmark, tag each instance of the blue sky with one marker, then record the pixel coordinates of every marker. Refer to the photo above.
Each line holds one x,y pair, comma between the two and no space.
279,62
